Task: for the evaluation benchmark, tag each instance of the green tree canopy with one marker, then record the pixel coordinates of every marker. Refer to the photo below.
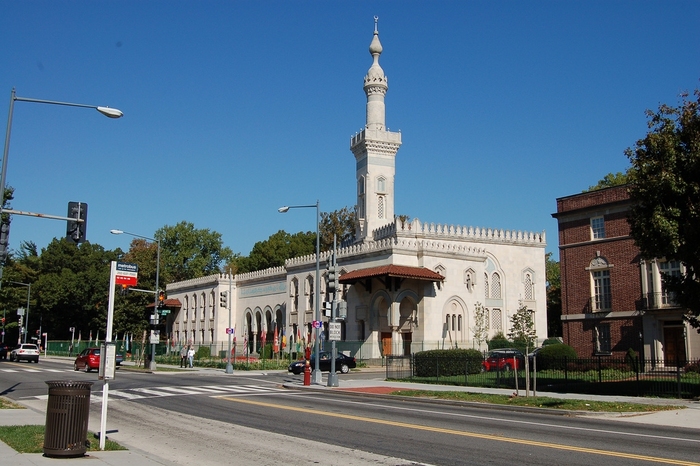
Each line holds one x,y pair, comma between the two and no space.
187,253
279,247
610,180
665,188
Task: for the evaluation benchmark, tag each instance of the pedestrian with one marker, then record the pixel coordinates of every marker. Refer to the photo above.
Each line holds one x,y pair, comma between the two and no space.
190,356
183,356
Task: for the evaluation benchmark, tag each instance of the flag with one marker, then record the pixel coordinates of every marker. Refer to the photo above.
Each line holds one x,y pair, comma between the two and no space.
90,341
97,337
245,344
79,335
126,342
276,342
284,340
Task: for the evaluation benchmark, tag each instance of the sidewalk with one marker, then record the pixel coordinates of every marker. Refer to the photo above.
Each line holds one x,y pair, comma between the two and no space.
35,414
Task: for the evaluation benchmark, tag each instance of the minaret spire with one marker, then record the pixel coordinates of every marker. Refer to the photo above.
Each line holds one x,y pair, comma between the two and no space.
375,151
376,84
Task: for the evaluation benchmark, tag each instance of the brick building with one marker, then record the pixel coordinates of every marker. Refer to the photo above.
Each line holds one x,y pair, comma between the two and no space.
612,299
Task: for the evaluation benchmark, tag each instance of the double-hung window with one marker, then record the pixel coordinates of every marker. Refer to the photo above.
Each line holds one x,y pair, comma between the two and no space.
602,298
597,228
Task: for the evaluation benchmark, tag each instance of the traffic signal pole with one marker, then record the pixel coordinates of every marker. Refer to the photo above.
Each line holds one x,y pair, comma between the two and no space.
333,286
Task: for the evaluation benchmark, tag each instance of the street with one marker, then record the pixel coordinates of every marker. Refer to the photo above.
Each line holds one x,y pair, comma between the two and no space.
206,417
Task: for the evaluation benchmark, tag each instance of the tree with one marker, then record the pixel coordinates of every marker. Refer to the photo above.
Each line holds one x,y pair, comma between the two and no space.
72,287
339,222
553,272
279,247
665,190
610,180
480,330
188,253
522,327
276,249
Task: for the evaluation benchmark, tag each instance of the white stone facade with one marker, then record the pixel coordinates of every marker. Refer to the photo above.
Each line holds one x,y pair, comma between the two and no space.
501,270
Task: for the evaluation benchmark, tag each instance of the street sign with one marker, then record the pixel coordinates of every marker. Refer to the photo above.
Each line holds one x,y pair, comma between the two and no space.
317,324
126,274
229,331
334,331
155,337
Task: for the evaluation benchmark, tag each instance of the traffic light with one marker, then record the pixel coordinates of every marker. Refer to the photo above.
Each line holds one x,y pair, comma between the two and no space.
125,290
223,299
161,299
3,321
76,231
4,239
332,279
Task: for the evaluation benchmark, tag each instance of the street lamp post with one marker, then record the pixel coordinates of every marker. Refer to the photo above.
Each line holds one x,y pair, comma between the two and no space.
155,293
26,316
316,375
106,111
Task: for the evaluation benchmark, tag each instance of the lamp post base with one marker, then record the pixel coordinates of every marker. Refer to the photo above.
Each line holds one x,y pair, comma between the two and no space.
317,377
229,368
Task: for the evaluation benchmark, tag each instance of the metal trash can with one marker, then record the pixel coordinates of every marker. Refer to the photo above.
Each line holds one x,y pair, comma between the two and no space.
67,415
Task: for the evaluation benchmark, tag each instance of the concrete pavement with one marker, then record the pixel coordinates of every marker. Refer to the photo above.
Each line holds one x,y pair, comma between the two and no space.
145,450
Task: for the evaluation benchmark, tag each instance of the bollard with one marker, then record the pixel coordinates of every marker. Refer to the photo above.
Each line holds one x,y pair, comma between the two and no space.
307,366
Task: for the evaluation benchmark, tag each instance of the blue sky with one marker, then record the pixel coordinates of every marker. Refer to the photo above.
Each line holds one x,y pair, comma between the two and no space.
233,109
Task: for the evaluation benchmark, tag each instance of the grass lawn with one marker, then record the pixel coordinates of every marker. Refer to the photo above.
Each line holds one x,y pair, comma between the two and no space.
30,439
539,401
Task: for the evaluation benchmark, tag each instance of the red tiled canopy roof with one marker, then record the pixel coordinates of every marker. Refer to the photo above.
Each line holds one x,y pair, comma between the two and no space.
172,303
401,271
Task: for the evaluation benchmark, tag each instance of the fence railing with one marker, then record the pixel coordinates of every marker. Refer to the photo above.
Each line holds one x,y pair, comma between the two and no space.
601,375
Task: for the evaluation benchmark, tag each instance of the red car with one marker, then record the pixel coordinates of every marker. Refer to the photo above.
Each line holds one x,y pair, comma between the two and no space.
89,359
504,360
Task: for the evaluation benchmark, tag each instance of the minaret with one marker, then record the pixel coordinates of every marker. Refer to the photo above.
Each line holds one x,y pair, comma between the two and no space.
375,151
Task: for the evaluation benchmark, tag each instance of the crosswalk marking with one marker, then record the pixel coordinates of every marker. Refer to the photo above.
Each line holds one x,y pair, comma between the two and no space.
128,394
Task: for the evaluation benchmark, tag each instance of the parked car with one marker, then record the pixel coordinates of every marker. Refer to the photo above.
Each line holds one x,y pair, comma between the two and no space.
504,360
89,359
25,351
4,349
343,363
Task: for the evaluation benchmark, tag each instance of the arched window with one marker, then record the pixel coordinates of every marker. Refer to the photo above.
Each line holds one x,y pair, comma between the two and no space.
486,286
495,286
380,207
528,287
381,184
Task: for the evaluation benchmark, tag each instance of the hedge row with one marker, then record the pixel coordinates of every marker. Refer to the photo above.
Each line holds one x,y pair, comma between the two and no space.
448,362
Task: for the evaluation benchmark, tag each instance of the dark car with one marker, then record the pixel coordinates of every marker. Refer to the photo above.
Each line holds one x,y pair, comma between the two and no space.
3,351
89,359
504,360
343,363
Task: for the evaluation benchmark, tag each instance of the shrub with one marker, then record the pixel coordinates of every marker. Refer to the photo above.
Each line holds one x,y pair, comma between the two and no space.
552,341
446,363
693,367
499,341
203,352
555,356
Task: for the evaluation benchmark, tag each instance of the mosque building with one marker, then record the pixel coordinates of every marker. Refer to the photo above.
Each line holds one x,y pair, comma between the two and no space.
406,285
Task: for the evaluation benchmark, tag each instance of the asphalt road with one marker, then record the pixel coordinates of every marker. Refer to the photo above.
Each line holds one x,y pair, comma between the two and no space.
208,417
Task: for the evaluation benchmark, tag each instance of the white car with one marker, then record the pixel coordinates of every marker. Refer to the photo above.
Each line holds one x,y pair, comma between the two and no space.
25,351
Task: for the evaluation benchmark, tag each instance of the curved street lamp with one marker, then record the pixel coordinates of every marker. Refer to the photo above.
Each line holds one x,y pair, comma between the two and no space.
155,303
107,111
316,375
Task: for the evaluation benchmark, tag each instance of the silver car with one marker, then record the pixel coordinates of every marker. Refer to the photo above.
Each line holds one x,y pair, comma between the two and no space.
25,351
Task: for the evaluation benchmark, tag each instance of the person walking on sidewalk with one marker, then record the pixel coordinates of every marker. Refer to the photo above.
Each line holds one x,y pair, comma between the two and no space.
183,356
190,356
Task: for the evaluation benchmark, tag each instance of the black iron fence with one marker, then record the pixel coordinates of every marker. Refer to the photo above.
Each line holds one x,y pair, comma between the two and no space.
601,375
